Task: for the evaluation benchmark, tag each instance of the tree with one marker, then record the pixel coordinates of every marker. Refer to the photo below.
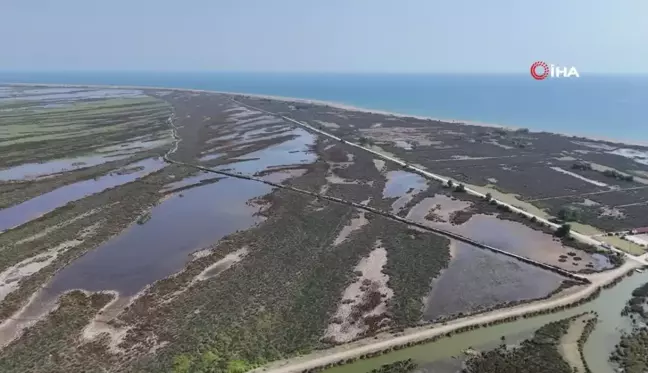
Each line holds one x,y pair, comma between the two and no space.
238,366
568,214
181,364
489,196
563,231
450,183
460,188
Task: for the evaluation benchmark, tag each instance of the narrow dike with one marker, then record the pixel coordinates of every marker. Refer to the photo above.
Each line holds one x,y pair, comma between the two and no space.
560,271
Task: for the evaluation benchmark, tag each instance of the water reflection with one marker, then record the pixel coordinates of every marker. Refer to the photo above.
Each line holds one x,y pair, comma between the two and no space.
35,207
160,247
476,279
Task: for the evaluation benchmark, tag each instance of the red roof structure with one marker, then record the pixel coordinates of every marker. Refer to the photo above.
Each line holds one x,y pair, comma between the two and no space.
640,230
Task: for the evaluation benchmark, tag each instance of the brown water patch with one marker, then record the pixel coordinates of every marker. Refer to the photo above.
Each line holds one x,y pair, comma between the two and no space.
437,208
477,279
508,235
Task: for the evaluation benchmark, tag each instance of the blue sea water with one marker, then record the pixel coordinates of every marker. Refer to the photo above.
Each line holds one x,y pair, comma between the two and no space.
614,107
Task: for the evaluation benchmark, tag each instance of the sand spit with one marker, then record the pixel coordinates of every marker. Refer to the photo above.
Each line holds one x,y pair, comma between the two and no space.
355,224
352,316
11,277
217,268
380,164
13,327
568,346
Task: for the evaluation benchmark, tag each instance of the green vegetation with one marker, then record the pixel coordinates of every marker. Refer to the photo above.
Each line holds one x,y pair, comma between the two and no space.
584,166
80,128
631,353
259,321
617,175
53,345
414,258
636,304
563,230
365,141
569,214
587,330
539,354
402,366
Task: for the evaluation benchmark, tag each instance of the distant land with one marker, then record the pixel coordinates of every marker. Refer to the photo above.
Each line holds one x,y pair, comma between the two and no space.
606,107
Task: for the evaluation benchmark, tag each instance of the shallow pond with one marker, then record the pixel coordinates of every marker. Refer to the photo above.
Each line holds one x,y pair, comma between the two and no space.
507,235
478,278
403,185
161,246
291,152
33,170
22,213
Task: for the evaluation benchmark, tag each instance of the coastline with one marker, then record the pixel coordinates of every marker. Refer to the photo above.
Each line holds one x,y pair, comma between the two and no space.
338,105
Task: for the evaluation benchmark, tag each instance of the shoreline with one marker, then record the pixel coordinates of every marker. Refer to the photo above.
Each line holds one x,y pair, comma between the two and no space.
341,106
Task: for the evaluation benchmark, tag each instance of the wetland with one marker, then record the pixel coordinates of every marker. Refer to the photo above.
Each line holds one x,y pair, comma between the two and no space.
128,215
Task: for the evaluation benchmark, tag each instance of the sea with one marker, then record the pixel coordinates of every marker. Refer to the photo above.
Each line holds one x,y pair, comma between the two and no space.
613,107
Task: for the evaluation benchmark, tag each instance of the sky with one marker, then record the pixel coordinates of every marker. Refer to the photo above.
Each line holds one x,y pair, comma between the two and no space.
396,36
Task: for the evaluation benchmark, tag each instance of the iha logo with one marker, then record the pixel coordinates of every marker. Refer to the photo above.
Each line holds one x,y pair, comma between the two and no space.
540,70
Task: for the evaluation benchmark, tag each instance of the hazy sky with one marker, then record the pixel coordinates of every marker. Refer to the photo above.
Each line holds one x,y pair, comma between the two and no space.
324,36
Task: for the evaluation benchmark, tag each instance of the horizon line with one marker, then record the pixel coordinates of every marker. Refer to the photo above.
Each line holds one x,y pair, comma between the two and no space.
2,71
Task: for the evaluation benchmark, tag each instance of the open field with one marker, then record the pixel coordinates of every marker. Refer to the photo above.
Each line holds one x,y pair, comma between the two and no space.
106,191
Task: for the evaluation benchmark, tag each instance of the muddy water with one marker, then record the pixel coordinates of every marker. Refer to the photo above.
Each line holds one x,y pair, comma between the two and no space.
477,278
161,246
596,350
295,151
504,234
403,185
33,208
520,239
33,170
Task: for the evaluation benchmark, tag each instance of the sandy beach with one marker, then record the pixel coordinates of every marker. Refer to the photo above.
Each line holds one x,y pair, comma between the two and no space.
335,105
